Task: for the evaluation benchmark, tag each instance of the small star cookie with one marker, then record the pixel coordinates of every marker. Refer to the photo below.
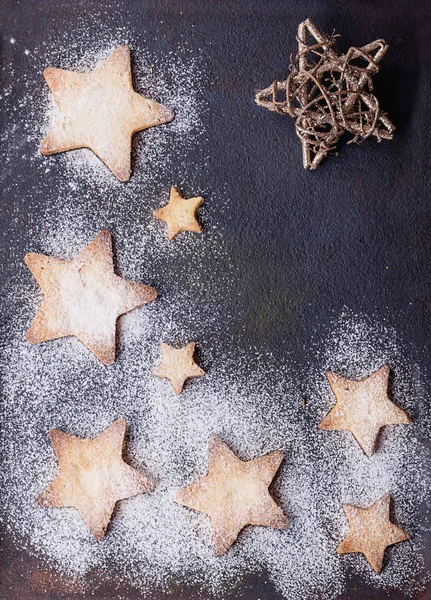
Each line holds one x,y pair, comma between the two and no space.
363,407
235,493
101,111
371,531
178,365
84,297
93,476
180,213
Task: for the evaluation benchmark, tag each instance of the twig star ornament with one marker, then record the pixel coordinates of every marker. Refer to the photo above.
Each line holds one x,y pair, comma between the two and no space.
178,365
329,93
363,407
93,476
371,531
84,297
180,213
235,493
101,111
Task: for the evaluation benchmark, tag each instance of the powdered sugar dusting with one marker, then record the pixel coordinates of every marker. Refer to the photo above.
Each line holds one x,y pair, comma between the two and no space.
250,400
254,405
172,77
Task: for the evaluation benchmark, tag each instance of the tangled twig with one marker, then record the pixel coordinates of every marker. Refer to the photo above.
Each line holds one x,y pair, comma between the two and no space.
329,93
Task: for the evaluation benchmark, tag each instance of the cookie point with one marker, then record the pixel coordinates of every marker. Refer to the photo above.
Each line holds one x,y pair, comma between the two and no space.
369,451
30,338
279,454
214,441
28,258
107,361
149,294
166,114
322,425
384,370
178,497
99,535
283,522
120,423
148,485
105,234
42,500
48,71
44,147
53,433
107,357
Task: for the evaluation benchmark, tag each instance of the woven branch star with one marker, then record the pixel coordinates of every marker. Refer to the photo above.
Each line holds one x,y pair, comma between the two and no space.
363,407
329,95
93,476
178,365
101,111
371,531
84,297
235,493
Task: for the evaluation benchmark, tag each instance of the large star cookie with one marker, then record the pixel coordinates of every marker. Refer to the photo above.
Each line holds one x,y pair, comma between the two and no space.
180,213
178,365
371,531
101,111
363,407
84,297
235,493
93,476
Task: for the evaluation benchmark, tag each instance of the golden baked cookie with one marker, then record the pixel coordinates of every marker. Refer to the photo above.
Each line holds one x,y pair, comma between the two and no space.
371,531
235,493
363,407
180,213
101,111
84,297
93,476
178,365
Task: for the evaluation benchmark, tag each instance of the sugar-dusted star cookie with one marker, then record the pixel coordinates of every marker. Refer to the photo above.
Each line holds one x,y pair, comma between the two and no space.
84,297
235,493
101,111
93,476
180,213
178,365
363,407
371,531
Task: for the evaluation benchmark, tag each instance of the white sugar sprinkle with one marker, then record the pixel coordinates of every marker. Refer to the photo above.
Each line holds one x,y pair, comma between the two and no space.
251,401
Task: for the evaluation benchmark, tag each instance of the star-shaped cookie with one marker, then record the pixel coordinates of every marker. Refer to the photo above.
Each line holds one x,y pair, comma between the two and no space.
363,407
180,213
93,476
101,111
84,297
235,493
371,531
178,365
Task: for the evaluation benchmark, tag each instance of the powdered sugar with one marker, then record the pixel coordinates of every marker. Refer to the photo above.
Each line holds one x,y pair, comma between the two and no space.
249,399
252,406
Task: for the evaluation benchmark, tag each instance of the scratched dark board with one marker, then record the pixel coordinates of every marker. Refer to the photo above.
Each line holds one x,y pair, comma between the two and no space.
354,233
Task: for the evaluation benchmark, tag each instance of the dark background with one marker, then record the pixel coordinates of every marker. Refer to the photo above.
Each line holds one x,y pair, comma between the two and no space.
355,233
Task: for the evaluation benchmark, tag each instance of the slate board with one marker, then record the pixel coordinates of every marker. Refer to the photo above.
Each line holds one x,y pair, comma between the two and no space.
354,233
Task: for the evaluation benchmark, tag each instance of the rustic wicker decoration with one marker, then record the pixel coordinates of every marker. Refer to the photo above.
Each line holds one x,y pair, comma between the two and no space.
329,93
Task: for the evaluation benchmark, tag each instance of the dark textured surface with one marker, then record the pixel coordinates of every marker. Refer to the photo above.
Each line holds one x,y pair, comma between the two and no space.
354,233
